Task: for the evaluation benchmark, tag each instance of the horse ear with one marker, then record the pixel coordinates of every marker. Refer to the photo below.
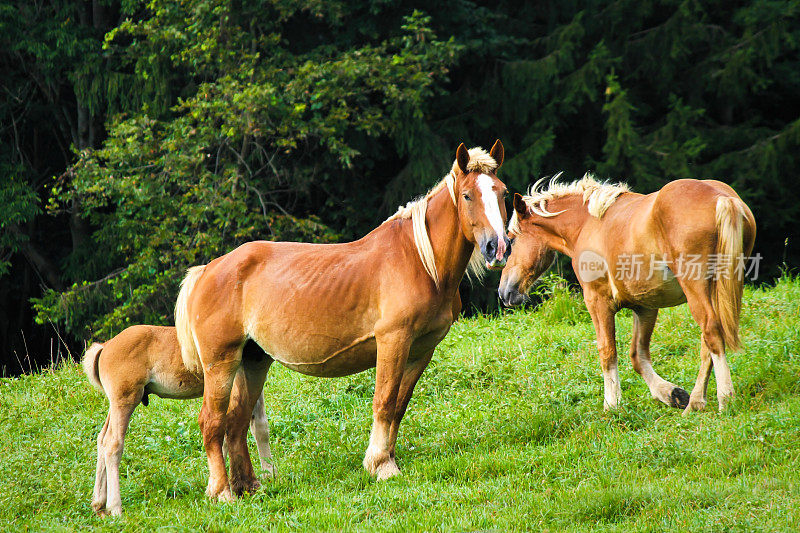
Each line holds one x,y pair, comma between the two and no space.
498,152
520,206
462,156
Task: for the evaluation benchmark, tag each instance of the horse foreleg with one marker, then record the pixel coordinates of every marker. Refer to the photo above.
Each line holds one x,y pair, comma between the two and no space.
644,320
391,362
216,397
603,318
411,375
99,496
259,425
246,390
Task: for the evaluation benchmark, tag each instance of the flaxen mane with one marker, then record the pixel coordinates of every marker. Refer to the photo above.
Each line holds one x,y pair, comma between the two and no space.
479,161
599,195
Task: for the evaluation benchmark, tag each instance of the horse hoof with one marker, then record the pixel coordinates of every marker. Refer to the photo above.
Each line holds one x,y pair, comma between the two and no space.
374,458
694,406
610,407
387,470
223,495
250,487
679,398
99,508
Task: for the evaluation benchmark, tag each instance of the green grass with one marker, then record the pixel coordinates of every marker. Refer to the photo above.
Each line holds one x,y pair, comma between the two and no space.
505,431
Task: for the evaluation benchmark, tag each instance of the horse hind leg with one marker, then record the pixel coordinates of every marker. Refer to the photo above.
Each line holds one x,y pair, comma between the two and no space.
259,425
113,443
712,343
247,388
697,400
99,495
644,320
219,379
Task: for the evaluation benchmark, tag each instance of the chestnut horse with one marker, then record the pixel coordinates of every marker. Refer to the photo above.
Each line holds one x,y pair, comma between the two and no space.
331,310
684,243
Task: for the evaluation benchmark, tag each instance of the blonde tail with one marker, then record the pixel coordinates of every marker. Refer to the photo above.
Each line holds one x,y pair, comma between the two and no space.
727,295
90,367
189,353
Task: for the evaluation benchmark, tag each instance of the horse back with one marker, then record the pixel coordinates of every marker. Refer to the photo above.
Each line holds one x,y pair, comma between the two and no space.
146,356
685,211
313,307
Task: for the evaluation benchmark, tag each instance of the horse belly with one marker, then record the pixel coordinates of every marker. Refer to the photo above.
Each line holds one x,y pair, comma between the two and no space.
324,357
661,290
180,385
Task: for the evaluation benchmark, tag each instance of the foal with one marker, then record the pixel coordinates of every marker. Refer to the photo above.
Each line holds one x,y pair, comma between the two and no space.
683,243
139,361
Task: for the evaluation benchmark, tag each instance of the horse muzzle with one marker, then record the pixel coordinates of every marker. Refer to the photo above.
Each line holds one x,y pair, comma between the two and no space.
510,295
495,251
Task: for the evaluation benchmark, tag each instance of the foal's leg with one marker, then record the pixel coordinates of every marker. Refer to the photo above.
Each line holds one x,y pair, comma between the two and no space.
644,320
99,495
411,375
119,417
602,312
259,425
697,296
392,355
218,378
247,388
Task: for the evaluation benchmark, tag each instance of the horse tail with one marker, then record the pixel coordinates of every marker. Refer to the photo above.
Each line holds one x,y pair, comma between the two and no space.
729,283
90,366
189,352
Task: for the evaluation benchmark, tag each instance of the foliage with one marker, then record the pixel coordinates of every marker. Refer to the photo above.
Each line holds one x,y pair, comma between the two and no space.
178,130
19,206
224,165
506,431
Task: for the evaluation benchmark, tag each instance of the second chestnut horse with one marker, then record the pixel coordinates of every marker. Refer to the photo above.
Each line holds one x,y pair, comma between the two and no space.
684,243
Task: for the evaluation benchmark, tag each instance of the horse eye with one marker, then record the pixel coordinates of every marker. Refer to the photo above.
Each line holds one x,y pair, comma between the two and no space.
466,197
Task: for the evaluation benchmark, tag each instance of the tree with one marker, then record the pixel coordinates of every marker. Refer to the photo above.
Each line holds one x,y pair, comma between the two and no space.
178,130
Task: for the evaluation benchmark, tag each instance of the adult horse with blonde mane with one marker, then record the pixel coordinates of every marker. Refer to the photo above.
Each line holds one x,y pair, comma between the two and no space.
331,310
684,243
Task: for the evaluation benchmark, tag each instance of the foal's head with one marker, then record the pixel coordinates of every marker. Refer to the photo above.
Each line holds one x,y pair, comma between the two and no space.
530,259
481,206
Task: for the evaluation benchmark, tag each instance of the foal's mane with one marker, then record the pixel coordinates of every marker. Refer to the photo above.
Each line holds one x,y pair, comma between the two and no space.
479,161
599,195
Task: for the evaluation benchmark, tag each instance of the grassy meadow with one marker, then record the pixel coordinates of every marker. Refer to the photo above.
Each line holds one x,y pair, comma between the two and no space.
505,431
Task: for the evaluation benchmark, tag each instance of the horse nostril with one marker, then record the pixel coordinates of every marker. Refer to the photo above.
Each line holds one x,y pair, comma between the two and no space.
491,248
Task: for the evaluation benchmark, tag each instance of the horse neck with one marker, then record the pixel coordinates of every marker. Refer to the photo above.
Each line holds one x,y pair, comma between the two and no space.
564,228
451,249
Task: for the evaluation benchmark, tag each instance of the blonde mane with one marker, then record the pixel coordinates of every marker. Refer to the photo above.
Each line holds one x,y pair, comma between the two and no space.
479,161
599,195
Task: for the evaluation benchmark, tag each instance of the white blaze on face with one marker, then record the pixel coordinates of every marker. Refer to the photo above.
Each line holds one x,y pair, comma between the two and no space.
492,209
